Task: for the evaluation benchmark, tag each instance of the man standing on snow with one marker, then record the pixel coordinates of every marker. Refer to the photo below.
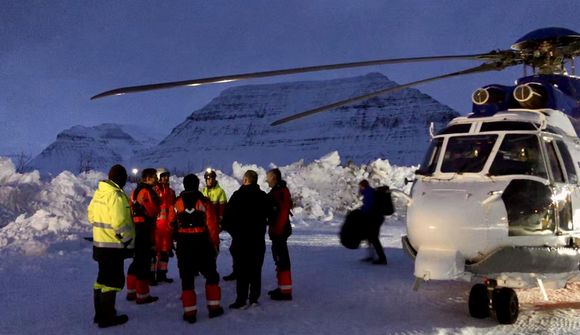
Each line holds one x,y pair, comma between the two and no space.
113,234
164,226
218,198
145,207
279,230
245,218
373,221
197,246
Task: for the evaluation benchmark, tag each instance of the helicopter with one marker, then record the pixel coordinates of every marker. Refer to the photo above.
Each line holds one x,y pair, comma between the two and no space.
496,201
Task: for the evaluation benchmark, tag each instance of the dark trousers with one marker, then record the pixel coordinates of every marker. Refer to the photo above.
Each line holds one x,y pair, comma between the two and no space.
375,223
111,272
196,254
280,253
144,254
248,262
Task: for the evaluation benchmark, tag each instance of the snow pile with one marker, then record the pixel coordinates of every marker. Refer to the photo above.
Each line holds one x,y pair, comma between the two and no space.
36,215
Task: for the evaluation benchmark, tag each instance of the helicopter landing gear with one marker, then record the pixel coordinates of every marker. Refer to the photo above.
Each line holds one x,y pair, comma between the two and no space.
503,301
506,305
479,302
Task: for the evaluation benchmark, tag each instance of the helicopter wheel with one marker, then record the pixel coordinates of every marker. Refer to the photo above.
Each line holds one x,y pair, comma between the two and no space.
479,301
506,305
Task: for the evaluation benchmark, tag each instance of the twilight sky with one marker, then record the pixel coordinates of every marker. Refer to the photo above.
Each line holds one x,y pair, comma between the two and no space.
55,55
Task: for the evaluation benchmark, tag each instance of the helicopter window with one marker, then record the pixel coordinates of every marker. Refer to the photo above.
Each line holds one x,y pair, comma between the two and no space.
430,162
506,125
554,163
554,130
456,129
529,208
568,162
467,153
519,154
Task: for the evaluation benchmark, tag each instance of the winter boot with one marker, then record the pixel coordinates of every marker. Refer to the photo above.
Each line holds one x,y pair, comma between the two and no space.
162,277
279,295
215,312
107,315
380,261
143,296
238,305
213,296
190,317
189,301
146,300
284,290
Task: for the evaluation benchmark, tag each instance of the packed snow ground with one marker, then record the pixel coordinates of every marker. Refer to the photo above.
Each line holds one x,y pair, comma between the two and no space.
46,270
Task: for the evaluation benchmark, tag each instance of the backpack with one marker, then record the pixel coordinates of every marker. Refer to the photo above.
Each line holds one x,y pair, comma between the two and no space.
190,217
383,201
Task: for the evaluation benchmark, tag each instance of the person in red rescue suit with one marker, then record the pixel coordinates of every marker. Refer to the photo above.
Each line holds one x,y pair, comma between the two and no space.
246,218
113,234
279,230
197,249
164,226
145,208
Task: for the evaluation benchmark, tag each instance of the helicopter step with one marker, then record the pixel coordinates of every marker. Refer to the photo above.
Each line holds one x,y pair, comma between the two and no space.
528,260
487,298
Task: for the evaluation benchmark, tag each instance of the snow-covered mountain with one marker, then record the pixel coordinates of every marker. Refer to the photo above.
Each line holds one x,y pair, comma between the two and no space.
235,126
80,148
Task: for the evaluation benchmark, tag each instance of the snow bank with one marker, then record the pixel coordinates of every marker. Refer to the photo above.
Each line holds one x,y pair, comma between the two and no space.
37,215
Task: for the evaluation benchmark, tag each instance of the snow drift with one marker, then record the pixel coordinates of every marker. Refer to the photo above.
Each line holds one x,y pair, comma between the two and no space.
37,216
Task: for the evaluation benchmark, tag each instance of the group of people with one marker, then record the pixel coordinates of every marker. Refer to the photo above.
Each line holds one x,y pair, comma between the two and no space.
145,226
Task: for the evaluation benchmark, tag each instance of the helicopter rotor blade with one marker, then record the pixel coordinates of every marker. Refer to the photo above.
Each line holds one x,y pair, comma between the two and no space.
497,66
490,56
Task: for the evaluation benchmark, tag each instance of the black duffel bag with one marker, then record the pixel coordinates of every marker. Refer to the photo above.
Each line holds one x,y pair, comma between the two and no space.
353,230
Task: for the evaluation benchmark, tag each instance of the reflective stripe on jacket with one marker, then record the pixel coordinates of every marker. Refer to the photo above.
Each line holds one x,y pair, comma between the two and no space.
203,205
110,215
218,198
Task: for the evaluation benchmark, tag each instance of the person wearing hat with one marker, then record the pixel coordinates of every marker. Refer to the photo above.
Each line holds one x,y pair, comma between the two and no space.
197,246
113,236
145,208
164,226
217,196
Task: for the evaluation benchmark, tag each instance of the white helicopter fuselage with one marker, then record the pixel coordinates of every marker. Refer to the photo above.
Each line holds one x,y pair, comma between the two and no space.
498,198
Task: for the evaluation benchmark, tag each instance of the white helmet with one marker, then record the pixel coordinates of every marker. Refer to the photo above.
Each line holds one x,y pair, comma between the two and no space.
161,171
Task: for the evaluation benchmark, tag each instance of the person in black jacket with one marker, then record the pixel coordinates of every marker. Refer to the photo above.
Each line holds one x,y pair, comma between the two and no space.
245,218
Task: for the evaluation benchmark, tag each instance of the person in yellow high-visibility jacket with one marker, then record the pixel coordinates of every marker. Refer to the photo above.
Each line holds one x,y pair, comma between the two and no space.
113,234
218,199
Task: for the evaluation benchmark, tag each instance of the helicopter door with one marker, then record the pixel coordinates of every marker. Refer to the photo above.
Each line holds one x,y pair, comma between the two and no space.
561,188
572,188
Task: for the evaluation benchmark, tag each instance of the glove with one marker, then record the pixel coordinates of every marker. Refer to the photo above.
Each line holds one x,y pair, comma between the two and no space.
126,244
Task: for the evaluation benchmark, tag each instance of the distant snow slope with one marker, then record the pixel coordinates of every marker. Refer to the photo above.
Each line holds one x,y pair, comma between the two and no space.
82,148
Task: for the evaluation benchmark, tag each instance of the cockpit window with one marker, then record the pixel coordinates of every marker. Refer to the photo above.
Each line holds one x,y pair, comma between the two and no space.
519,154
456,129
506,125
431,158
467,153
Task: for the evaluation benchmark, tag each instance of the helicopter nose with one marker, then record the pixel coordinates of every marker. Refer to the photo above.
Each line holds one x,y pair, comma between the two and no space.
448,226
